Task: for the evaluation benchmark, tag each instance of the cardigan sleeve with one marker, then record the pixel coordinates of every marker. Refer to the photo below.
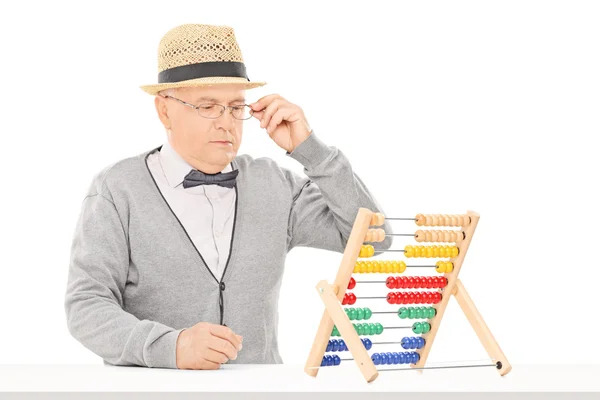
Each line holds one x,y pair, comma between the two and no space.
94,303
326,201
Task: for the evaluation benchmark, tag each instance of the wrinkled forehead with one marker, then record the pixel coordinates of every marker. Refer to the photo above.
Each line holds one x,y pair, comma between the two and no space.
217,93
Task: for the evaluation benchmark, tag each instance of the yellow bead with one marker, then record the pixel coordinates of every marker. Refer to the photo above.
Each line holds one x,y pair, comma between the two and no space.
429,252
370,268
454,251
447,251
449,266
395,267
440,267
376,266
436,251
409,251
389,268
402,267
355,270
423,251
363,268
371,251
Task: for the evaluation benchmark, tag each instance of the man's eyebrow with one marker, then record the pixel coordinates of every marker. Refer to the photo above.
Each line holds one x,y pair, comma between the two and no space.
213,100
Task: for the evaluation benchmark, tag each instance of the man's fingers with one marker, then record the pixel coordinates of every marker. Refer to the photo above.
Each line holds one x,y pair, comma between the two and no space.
223,346
226,333
215,357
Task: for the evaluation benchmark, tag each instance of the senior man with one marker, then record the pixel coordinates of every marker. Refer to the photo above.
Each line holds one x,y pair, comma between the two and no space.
178,253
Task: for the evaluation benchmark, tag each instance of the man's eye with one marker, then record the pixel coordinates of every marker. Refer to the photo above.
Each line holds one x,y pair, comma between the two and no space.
207,107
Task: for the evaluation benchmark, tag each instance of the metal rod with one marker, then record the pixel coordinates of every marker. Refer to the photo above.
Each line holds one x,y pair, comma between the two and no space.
402,219
440,367
400,234
385,312
397,327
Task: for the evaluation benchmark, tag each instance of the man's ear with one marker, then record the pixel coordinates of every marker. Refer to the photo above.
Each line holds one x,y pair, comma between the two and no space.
162,110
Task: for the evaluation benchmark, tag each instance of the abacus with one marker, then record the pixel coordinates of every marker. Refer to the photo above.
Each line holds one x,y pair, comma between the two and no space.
439,287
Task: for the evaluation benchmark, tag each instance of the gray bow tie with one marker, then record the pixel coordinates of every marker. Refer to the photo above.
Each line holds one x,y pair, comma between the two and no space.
195,178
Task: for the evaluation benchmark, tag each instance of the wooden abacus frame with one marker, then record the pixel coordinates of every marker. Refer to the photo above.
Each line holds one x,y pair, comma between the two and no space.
332,295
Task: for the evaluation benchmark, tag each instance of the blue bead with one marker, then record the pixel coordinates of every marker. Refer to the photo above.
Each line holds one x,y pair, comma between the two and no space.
414,357
405,343
421,343
390,358
396,358
413,343
417,357
402,357
330,361
335,345
376,358
368,343
329,346
324,362
336,360
384,359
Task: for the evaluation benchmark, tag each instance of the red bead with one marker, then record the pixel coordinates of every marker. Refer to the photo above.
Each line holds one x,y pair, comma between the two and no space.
402,298
417,281
411,283
429,298
429,282
418,297
437,297
352,283
391,298
351,298
345,299
443,281
402,282
411,298
391,283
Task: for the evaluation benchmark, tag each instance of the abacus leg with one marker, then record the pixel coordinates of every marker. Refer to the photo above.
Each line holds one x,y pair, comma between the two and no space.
335,314
480,327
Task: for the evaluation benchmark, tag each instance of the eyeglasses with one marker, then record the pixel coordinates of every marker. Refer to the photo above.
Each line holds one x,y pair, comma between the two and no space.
214,110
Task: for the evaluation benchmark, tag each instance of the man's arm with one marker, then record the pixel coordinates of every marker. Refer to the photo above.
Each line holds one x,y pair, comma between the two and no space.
93,302
327,200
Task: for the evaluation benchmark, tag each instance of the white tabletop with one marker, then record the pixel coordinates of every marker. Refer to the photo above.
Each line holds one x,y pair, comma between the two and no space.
291,378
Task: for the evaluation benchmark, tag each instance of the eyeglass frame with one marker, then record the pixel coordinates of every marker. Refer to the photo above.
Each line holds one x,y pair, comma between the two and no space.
223,108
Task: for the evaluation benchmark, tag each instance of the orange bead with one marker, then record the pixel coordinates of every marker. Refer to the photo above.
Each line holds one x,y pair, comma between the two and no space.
420,219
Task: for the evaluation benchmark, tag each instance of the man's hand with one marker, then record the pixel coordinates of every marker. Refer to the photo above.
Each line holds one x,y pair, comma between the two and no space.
207,346
285,122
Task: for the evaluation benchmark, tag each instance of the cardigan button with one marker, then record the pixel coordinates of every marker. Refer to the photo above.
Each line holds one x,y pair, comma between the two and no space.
222,286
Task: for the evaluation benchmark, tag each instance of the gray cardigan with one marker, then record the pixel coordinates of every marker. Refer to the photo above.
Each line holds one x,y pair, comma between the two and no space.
136,279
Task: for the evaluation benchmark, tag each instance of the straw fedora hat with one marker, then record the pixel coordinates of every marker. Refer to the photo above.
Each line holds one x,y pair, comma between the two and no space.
200,55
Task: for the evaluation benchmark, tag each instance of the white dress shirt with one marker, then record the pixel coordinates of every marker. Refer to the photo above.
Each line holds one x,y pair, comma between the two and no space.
206,212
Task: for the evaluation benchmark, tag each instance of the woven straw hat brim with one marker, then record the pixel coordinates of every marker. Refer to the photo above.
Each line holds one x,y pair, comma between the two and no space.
203,82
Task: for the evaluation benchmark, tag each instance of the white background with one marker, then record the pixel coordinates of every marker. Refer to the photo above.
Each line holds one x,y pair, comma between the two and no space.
440,107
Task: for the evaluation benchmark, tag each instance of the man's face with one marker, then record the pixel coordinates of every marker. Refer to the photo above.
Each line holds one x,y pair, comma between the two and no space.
197,138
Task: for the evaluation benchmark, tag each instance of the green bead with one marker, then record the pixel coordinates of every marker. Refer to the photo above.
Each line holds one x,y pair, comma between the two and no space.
360,314
368,313
335,331
417,328
356,328
352,314
412,313
403,312
378,328
431,312
419,313
372,329
426,327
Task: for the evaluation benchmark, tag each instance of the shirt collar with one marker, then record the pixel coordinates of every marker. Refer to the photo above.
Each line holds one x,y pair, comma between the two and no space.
175,167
